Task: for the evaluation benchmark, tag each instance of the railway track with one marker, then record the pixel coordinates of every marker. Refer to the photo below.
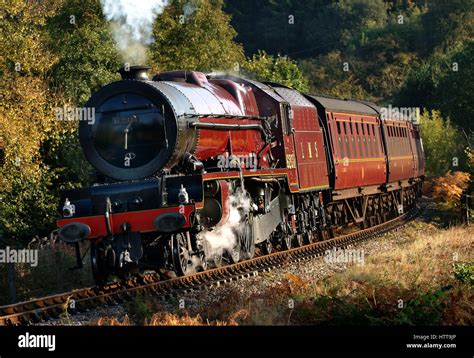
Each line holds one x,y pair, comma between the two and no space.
81,300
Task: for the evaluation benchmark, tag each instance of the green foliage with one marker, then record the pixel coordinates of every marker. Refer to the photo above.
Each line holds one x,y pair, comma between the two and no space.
63,153
80,37
277,69
326,76
303,29
448,24
140,309
442,143
464,272
195,35
424,310
435,84
456,88
28,208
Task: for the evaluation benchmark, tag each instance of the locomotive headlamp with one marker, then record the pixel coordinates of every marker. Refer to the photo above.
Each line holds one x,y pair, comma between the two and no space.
183,195
68,209
74,232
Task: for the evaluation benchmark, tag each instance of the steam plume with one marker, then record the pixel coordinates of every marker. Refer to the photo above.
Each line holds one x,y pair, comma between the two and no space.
223,237
131,24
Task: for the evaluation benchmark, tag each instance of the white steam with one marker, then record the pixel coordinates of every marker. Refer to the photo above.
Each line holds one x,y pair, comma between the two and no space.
224,237
132,24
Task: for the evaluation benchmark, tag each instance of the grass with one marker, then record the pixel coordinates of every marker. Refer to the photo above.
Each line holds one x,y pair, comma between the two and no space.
425,281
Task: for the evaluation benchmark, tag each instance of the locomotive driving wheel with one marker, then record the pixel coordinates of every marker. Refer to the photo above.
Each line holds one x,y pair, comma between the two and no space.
180,254
246,238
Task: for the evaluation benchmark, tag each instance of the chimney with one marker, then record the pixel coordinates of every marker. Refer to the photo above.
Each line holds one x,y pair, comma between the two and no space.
134,73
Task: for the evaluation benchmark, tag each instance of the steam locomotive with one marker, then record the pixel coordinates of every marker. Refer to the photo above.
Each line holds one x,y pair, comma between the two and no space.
199,170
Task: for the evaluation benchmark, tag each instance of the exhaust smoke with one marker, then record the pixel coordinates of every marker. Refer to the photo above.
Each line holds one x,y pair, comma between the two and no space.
224,237
131,22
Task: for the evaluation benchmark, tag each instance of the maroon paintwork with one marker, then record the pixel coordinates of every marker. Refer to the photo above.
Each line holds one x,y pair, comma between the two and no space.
400,152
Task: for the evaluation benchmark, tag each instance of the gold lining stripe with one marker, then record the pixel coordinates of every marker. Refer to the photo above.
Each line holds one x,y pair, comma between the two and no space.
398,158
354,114
360,160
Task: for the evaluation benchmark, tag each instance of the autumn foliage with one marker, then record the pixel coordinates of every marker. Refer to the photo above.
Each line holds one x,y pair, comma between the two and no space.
448,188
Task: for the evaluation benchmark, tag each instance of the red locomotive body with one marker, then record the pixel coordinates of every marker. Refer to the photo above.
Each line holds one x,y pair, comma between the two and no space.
200,169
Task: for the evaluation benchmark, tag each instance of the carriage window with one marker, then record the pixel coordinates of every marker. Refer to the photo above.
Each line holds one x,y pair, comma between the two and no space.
338,128
345,127
350,126
357,128
341,147
362,126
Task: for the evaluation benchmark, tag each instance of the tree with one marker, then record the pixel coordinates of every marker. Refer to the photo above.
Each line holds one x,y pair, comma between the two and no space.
27,205
327,76
195,35
442,143
81,39
278,69
303,29
448,24
456,89
444,83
